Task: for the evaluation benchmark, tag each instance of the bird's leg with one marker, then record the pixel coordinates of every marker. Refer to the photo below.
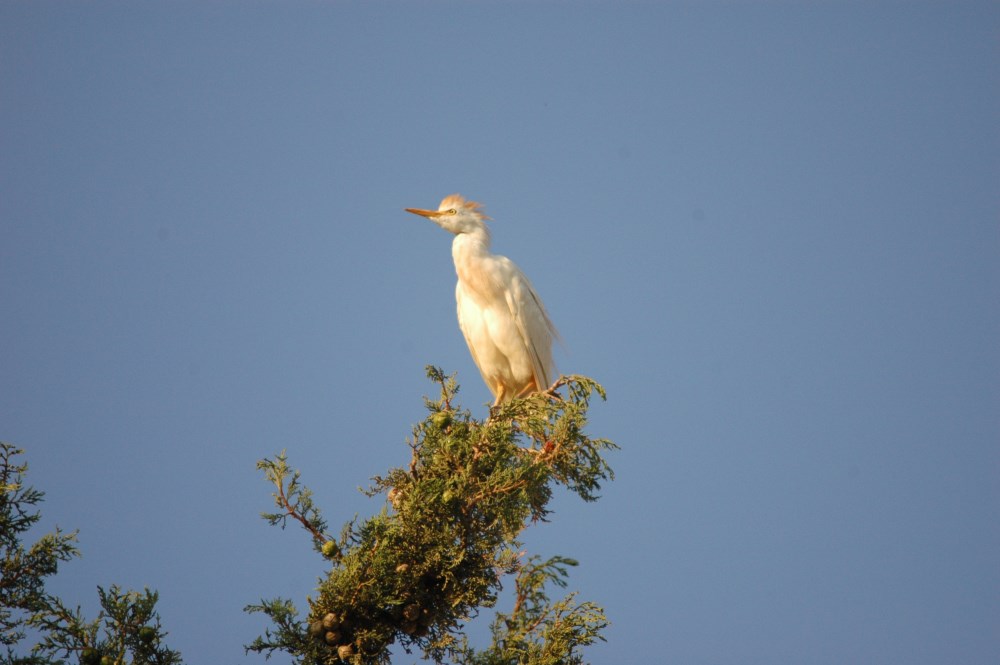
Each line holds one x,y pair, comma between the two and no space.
528,390
500,393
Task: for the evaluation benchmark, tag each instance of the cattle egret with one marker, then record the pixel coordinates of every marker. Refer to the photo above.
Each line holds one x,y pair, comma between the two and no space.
502,318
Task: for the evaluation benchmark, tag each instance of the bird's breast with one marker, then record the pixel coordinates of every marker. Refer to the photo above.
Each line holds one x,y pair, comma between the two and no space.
480,274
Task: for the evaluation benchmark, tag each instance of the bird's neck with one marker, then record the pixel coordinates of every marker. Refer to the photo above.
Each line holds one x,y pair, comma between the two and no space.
468,249
474,241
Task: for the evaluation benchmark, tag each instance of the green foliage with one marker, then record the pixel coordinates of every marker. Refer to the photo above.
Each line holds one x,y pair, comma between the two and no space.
127,629
23,569
537,631
292,499
437,552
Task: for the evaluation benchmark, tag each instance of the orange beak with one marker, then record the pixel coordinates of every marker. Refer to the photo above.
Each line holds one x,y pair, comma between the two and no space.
426,213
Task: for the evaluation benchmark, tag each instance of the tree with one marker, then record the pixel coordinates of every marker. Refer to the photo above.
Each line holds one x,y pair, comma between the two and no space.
127,629
437,552
413,574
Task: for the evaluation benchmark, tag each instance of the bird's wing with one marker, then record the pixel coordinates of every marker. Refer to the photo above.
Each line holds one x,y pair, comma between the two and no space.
534,325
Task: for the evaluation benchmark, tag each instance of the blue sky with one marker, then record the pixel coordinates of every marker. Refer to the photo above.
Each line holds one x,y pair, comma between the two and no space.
770,229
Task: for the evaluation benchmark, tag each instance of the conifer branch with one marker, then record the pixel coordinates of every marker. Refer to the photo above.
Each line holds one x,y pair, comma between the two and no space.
436,554
126,629
293,500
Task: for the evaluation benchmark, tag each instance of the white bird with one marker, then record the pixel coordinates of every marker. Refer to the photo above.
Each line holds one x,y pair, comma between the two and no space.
504,322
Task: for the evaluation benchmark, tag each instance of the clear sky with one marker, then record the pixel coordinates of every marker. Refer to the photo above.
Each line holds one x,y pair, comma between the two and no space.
772,230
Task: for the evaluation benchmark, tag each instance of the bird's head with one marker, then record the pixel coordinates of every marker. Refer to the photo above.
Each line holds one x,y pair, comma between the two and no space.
455,215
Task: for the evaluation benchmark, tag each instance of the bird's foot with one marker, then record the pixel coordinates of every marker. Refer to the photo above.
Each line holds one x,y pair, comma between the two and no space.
552,392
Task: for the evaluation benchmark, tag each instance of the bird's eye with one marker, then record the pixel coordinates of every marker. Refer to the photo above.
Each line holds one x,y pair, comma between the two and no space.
452,212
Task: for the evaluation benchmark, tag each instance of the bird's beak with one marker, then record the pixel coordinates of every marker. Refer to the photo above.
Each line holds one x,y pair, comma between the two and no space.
425,213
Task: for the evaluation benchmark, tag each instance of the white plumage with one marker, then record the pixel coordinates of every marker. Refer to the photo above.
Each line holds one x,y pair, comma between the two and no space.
502,318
